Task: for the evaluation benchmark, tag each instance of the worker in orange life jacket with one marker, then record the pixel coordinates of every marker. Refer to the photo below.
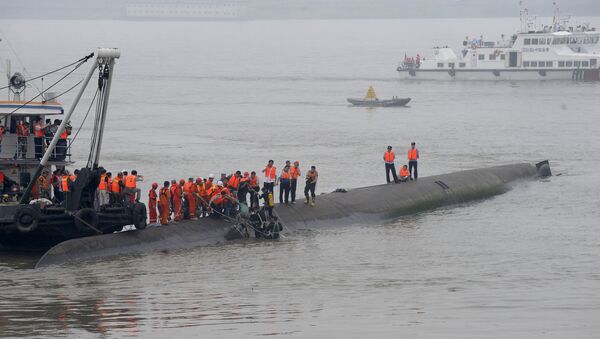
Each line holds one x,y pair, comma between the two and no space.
413,156
270,176
102,194
188,189
295,173
201,200
131,186
284,185
152,202
38,140
177,200
164,197
243,188
216,200
234,181
116,188
388,158
404,173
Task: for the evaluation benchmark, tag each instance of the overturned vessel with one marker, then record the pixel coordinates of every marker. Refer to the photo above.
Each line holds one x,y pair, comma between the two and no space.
341,208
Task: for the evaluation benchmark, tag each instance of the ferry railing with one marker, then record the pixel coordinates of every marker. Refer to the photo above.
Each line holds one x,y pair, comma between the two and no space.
27,149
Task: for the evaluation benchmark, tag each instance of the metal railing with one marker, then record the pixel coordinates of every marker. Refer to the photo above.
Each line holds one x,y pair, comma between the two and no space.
29,148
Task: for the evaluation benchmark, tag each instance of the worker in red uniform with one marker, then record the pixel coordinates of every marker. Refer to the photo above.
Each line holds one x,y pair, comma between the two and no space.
294,173
152,200
176,199
188,189
413,156
164,197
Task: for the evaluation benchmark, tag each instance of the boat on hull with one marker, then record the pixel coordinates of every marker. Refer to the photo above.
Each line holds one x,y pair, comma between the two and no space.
500,75
361,205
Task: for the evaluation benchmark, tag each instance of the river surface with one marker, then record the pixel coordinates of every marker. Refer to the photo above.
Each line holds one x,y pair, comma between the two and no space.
193,98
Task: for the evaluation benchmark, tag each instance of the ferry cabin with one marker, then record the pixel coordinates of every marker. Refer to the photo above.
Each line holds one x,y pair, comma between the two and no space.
16,165
527,56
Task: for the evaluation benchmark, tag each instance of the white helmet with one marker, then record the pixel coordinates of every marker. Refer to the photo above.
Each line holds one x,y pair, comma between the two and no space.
211,176
219,183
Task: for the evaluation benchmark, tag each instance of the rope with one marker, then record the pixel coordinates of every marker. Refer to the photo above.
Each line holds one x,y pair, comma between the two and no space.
86,223
84,118
63,93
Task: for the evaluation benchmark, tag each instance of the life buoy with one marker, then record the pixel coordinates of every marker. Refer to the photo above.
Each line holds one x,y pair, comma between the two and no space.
27,219
84,218
139,216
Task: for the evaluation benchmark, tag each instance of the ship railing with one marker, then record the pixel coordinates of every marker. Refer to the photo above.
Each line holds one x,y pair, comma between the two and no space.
26,149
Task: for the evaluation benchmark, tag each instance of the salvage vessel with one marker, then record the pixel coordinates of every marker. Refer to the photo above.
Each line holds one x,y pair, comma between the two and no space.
33,215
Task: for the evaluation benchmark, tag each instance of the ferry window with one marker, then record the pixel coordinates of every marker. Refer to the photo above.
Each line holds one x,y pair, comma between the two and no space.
584,64
451,64
533,64
481,56
561,64
593,62
462,64
534,41
527,41
542,41
569,63
573,40
549,64
577,63
549,41
555,41
525,63
492,56
440,65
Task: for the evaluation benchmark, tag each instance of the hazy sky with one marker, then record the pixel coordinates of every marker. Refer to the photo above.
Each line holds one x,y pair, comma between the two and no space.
311,9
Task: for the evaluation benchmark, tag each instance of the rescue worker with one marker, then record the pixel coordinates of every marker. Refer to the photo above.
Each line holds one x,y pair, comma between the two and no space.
131,189
164,196
201,202
311,185
270,176
116,189
269,200
55,182
2,132
413,156
294,173
38,140
66,184
152,200
103,197
227,201
234,181
254,186
44,185
176,200
388,158
284,185
61,146
216,200
404,173
22,135
243,188
189,189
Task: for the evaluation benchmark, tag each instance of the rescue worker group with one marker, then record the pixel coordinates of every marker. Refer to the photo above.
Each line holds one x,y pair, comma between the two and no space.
207,197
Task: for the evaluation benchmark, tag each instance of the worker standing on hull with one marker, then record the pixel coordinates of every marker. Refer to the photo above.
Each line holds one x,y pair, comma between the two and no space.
152,201
413,156
102,191
176,197
254,190
270,176
388,158
311,185
284,185
295,173
163,203
189,190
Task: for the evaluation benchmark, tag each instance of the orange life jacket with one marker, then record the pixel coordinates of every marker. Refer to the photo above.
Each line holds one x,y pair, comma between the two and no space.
285,175
254,181
131,181
114,186
64,135
389,157
404,172
270,172
187,187
412,154
234,182
103,185
65,183
295,172
39,133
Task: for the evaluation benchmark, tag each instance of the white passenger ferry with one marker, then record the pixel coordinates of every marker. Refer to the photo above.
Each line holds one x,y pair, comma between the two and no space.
560,51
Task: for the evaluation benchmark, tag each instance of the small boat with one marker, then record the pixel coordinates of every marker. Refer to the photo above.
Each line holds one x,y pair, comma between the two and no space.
371,100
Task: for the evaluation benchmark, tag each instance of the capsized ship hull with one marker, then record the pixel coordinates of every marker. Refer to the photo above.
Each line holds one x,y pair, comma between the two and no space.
361,205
